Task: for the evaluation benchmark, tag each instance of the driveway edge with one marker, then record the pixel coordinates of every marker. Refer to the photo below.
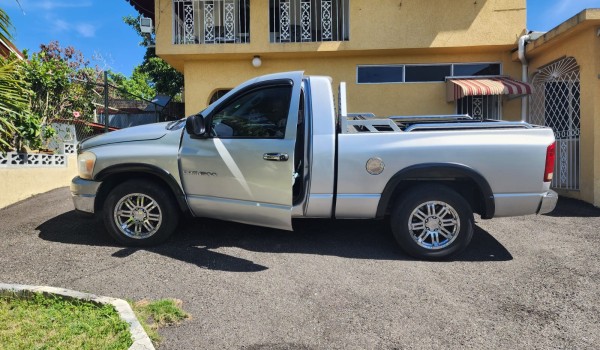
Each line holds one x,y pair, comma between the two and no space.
141,341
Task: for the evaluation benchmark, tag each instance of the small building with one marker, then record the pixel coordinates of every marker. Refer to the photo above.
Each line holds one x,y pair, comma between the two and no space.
564,69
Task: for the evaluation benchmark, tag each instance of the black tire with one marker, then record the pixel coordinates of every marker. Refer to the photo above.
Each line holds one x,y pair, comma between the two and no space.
150,211
440,220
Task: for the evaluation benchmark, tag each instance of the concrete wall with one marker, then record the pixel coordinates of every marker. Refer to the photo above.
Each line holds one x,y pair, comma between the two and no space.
17,184
578,38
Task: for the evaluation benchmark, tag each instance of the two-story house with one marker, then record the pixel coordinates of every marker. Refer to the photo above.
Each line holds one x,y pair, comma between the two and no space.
400,57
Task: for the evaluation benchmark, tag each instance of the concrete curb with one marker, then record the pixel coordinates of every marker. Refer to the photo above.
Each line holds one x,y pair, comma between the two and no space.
141,341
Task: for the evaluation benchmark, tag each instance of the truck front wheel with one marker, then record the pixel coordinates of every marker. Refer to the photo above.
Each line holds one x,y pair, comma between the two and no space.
432,222
140,213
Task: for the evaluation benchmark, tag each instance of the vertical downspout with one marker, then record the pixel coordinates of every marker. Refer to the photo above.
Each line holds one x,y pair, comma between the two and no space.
522,40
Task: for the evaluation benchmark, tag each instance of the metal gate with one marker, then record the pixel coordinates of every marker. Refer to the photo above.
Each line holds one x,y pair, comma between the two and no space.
555,102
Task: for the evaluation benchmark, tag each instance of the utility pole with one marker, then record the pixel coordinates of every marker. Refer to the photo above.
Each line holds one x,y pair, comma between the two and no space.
105,101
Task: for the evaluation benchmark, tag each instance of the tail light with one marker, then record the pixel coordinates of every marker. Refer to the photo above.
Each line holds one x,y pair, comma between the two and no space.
550,157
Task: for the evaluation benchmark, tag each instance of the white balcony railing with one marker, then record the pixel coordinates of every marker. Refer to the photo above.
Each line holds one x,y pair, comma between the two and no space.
211,22
228,21
308,20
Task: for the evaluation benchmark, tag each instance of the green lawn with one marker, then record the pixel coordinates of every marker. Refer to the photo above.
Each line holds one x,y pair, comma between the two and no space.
158,314
49,322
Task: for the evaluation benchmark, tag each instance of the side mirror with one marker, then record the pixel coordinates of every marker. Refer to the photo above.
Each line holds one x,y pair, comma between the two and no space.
195,125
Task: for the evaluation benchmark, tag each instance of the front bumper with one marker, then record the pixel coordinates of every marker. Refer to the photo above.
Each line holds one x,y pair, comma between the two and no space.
84,194
548,203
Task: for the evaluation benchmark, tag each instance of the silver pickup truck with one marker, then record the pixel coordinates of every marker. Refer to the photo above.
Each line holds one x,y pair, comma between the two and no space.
275,149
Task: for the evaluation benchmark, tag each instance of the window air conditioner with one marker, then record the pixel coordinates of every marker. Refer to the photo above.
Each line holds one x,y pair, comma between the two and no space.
146,25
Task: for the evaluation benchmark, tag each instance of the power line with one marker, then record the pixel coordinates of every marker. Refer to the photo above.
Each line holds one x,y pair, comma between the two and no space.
21,7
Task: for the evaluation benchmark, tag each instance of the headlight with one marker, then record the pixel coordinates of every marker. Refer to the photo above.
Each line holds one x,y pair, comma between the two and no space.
86,162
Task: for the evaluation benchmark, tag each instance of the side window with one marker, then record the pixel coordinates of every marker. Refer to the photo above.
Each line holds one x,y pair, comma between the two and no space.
217,95
260,113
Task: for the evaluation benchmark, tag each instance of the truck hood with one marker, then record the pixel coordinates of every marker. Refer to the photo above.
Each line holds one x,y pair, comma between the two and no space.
136,133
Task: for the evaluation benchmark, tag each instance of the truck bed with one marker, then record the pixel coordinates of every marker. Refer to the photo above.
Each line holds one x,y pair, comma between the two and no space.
367,122
352,123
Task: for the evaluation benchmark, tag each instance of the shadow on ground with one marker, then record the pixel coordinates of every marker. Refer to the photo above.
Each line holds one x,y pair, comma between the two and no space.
568,207
196,240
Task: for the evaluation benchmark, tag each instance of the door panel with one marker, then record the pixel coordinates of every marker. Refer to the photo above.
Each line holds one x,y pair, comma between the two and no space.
226,176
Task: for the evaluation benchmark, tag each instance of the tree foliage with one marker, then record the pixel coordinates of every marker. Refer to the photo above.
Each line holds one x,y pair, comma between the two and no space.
50,85
5,26
165,79
13,92
138,85
59,82
13,102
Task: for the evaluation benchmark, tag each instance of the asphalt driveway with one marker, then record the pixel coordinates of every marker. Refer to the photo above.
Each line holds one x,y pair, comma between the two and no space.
527,282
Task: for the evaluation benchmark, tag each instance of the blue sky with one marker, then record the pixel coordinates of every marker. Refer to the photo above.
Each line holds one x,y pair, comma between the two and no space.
96,28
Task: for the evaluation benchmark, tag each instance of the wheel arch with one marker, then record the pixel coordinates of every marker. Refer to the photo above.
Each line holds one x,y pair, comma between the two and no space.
466,181
117,174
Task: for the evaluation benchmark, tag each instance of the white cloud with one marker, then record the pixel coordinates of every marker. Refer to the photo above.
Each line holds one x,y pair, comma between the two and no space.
49,4
29,5
562,10
58,25
86,30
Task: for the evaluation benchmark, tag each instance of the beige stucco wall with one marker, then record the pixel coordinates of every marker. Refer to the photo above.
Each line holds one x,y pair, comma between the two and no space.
17,184
579,39
381,32
380,25
203,77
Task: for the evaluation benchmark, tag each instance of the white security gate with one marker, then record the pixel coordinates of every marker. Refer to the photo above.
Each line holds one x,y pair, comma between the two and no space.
555,102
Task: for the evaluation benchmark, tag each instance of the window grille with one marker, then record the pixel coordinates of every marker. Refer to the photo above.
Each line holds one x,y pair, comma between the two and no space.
556,103
211,22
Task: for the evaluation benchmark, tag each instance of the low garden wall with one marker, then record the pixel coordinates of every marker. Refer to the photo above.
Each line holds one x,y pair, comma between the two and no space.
24,175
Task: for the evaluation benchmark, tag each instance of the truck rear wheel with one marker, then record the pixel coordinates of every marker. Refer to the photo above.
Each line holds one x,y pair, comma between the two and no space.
140,213
432,222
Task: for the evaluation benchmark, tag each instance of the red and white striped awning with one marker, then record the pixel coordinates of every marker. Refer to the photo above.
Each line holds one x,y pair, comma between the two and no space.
461,87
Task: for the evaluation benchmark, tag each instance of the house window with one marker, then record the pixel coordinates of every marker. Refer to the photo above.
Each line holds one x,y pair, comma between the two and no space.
475,69
308,20
217,94
427,73
422,73
211,22
380,74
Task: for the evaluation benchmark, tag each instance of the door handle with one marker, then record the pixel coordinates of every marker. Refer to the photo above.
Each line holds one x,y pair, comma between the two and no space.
276,157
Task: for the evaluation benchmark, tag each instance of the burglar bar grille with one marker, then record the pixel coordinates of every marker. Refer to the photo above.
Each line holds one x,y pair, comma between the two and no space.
479,107
308,20
211,22
556,103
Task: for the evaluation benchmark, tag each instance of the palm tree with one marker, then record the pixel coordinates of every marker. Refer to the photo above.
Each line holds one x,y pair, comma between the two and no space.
5,26
13,94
